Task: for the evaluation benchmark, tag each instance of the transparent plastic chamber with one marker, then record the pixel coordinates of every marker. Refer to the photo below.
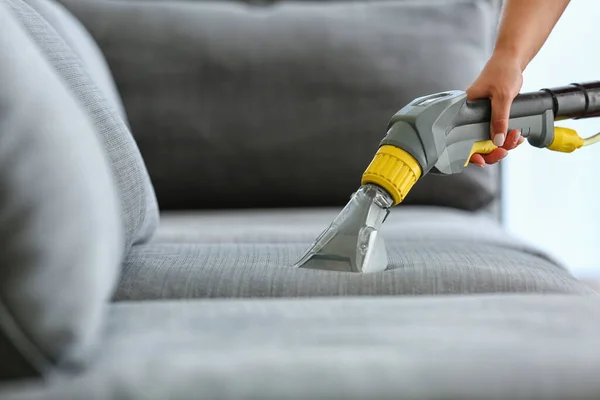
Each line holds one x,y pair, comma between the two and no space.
353,242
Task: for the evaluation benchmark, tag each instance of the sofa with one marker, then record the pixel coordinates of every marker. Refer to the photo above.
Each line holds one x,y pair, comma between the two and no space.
163,164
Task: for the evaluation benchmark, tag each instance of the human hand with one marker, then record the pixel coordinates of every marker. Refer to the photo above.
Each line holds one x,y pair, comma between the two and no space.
500,81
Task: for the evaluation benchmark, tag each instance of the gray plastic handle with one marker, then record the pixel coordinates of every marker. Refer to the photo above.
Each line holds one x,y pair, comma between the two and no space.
440,130
538,129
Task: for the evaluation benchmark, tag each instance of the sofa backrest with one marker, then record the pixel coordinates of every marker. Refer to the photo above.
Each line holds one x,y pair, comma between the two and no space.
284,105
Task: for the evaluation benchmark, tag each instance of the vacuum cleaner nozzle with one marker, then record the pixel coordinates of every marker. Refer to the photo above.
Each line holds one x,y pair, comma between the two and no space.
353,243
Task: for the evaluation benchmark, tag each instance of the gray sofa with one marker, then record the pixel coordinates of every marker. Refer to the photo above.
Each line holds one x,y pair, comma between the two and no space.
163,164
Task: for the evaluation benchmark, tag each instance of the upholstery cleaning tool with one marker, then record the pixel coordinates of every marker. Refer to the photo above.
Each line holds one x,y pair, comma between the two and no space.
438,134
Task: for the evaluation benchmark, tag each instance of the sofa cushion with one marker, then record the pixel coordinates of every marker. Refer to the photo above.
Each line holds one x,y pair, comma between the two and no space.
140,209
61,240
249,254
236,105
446,348
81,42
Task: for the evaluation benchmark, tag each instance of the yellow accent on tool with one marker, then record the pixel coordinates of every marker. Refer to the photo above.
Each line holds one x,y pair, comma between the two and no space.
566,140
395,170
483,147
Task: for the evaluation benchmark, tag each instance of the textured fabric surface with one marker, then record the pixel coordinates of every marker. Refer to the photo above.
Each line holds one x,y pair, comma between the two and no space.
249,254
140,210
472,347
81,42
240,106
60,232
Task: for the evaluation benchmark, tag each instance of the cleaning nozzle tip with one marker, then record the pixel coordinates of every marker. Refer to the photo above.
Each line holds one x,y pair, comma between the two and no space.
353,241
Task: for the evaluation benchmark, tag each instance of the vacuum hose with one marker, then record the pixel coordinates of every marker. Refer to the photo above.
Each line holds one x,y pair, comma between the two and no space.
574,101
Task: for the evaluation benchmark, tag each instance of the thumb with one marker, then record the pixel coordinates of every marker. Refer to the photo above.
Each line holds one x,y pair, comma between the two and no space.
475,92
500,116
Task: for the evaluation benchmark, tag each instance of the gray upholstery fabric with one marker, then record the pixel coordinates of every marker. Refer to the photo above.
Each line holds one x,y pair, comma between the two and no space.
81,42
140,210
246,254
60,231
443,348
240,106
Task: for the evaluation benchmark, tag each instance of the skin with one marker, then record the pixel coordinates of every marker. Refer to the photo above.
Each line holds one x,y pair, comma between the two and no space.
524,28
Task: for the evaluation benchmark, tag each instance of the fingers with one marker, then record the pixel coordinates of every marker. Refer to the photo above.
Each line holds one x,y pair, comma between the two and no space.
475,92
512,139
500,81
478,160
500,116
492,158
495,155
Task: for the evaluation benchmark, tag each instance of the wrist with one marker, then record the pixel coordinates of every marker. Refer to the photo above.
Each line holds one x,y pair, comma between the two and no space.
511,53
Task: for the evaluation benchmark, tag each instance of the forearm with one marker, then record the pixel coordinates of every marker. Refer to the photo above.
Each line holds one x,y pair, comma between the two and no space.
525,27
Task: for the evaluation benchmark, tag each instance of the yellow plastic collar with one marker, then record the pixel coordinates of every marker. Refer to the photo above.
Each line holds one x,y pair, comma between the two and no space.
395,170
565,140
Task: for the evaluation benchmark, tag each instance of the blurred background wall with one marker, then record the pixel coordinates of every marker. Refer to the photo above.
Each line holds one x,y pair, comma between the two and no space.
552,199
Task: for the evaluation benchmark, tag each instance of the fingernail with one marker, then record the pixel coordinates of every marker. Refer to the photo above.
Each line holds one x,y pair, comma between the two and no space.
517,137
499,139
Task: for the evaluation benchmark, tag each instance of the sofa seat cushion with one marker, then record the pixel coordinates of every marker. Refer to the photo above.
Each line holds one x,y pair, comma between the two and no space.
463,347
249,254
